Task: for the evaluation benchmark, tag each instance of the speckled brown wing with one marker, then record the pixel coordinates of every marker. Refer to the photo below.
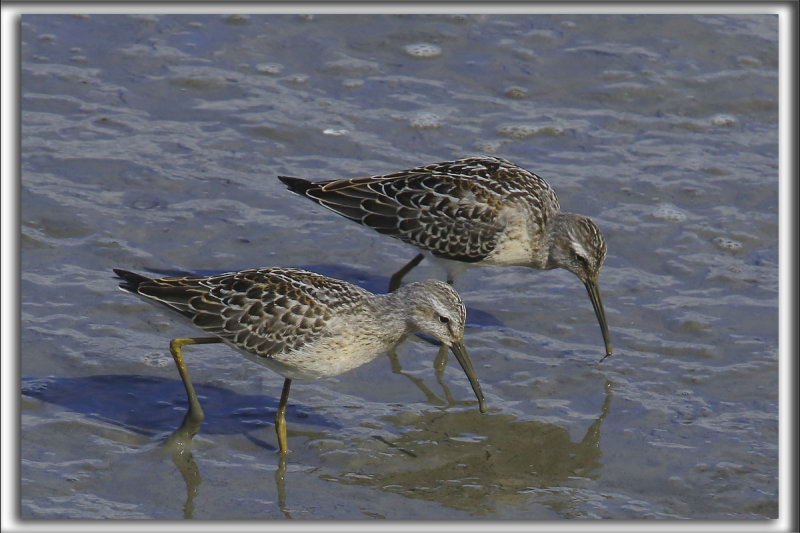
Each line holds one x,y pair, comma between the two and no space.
265,311
451,209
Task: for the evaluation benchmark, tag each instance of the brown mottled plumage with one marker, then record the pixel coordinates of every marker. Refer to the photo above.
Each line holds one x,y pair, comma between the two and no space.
304,325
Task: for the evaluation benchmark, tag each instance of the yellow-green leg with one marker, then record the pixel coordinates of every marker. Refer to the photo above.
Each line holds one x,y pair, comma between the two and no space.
195,414
397,277
280,418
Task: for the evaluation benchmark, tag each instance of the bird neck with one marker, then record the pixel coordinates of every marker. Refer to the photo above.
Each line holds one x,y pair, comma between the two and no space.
394,310
556,252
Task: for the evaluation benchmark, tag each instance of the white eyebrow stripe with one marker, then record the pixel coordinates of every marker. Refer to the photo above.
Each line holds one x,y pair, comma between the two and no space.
578,248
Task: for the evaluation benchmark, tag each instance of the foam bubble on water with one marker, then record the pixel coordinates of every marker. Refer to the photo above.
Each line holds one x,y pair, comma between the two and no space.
669,212
526,131
156,359
726,243
335,132
724,120
747,61
353,83
426,120
422,50
269,68
517,93
525,53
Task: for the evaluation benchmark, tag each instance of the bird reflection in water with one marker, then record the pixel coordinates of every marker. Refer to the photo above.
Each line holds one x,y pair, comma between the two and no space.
511,460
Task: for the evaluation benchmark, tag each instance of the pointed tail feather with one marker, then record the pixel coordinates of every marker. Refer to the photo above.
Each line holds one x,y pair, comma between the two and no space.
130,280
296,185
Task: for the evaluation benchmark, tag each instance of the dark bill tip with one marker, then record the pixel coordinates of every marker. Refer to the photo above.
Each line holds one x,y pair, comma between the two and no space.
597,302
460,352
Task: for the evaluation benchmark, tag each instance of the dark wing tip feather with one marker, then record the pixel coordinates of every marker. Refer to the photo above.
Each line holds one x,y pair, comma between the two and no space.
130,280
297,185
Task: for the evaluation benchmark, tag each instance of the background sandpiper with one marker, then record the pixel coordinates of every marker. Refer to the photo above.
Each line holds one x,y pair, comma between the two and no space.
471,212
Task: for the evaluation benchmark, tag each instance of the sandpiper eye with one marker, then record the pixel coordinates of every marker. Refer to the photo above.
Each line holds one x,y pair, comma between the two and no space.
444,319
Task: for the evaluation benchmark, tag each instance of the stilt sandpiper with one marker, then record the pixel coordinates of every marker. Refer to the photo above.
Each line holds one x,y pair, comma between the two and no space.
471,212
303,325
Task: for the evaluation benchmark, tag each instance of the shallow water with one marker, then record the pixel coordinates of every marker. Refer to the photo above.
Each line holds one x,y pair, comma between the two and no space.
152,143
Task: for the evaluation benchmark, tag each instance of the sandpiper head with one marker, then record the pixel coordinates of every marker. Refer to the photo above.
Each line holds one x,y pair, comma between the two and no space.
578,246
439,312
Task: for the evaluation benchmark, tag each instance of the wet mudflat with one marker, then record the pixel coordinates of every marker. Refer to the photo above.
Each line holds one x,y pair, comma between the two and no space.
152,143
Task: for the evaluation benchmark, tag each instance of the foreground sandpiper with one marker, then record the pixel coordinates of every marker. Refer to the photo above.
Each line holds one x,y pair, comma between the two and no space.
471,212
303,325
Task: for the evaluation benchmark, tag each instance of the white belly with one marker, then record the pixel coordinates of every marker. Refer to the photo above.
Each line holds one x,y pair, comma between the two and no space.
324,358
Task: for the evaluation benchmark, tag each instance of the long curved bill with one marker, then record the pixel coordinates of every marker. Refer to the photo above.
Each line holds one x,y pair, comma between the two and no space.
460,352
594,295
